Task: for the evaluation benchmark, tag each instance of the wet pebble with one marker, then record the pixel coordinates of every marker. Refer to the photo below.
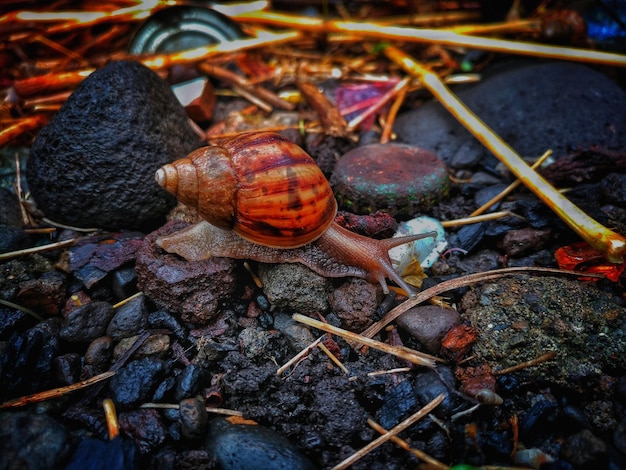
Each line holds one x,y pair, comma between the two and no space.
543,411
193,418
397,403
400,179
557,105
430,384
99,351
428,324
93,165
156,345
66,369
163,320
355,302
524,241
298,335
585,450
129,319
294,287
32,441
135,382
124,282
188,382
144,427
253,341
533,458
238,444
87,322
191,289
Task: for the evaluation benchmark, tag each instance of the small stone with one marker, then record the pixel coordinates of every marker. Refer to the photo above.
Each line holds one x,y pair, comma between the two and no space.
524,241
188,382
585,450
428,385
66,369
155,345
99,351
46,294
124,282
239,444
32,441
135,382
129,319
355,303
397,402
87,322
192,289
298,335
162,319
533,458
429,324
295,287
144,427
193,418
253,341
400,179
93,165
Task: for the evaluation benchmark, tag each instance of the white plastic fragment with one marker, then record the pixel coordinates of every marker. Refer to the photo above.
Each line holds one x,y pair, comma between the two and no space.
426,250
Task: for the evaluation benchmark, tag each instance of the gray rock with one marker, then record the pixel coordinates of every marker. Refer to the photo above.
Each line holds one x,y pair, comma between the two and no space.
135,382
250,445
295,287
524,317
533,107
428,324
94,164
87,322
129,319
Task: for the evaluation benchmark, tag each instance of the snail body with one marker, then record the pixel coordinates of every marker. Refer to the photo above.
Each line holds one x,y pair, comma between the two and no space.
265,199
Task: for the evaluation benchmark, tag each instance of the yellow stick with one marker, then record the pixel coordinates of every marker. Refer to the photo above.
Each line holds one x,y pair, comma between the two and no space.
438,36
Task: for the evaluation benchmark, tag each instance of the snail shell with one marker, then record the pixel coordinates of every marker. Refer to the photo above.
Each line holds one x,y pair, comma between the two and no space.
259,185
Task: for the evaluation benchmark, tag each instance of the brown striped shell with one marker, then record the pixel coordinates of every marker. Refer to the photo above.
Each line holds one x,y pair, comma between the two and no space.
260,185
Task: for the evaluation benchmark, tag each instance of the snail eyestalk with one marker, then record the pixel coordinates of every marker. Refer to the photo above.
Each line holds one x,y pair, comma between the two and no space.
612,245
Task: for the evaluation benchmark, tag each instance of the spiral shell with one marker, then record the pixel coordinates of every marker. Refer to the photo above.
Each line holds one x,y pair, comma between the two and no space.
260,185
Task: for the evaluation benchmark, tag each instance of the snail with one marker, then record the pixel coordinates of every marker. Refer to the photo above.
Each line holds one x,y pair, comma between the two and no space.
264,198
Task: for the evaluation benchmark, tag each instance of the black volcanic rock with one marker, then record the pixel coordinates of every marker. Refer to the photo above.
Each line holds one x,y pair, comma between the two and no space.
532,106
94,164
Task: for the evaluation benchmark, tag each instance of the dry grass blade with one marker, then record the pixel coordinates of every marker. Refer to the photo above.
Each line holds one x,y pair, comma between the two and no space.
37,249
414,357
432,462
176,406
438,36
455,284
612,245
396,430
55,392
